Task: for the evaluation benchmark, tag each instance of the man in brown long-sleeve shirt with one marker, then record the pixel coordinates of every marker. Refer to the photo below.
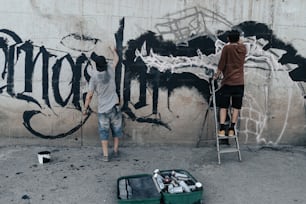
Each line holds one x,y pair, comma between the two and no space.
232,85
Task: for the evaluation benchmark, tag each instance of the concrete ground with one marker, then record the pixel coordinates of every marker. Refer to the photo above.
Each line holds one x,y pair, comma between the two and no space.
79,176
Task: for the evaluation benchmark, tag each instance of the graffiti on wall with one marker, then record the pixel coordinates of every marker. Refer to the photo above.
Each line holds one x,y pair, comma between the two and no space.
193,55
182,52
15,50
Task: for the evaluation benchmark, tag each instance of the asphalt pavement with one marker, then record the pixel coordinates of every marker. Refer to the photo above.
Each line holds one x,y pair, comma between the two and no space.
78,175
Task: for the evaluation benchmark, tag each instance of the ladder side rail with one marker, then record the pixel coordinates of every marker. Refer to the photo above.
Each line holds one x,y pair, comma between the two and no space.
213,91
214,106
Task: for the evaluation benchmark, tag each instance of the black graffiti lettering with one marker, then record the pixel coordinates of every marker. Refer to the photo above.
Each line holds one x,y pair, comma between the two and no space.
9,59
156,80
168,81
55,80
75,82
10,71
13,35
30,63
27,98
45,75
75,91
4,48
12,48
119,46
28,115
77,74
142,100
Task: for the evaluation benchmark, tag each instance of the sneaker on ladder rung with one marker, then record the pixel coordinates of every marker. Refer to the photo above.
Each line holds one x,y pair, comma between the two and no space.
231,132
221,133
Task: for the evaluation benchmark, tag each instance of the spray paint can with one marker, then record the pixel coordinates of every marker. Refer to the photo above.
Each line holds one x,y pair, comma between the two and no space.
156,171
184,186
175,189
179,175
198,185
158,180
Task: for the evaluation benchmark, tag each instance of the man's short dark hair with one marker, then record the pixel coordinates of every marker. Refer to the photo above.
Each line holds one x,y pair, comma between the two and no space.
101,63
233,36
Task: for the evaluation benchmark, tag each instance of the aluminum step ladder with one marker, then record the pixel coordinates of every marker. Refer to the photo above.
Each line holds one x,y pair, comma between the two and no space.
218,138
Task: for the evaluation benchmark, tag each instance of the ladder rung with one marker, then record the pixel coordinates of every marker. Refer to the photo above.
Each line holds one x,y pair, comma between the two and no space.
229,150
227,137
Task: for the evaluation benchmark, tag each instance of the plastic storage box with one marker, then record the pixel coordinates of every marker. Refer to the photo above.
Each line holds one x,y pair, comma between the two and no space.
137,189
144,188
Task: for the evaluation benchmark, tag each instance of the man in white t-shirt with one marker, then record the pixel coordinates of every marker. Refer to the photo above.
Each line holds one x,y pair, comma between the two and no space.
102,82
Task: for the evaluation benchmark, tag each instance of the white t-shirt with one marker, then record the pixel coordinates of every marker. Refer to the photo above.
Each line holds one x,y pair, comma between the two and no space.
103,83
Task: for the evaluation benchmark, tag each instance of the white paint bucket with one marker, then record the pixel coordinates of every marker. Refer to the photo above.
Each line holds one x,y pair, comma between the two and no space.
43,157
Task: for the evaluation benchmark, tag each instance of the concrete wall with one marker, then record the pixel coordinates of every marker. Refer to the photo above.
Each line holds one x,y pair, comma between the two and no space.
168,50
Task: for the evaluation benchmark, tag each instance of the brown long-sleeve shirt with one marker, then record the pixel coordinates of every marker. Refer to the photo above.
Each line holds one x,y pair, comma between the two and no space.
231,64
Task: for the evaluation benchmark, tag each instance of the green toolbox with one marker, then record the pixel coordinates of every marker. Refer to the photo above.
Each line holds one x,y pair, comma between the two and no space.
189,190
162,187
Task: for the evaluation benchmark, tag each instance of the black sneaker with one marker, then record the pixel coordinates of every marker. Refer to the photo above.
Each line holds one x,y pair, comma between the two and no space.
105,159
115,154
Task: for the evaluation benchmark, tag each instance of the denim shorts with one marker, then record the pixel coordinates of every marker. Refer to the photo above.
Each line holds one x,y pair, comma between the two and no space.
112,119
231,95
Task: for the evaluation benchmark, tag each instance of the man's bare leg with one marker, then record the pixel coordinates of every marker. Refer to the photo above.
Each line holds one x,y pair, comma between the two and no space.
234,119
105,147
223,112
235,115
116,144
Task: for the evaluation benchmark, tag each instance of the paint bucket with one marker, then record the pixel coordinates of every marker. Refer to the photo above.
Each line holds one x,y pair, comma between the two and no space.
43,157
